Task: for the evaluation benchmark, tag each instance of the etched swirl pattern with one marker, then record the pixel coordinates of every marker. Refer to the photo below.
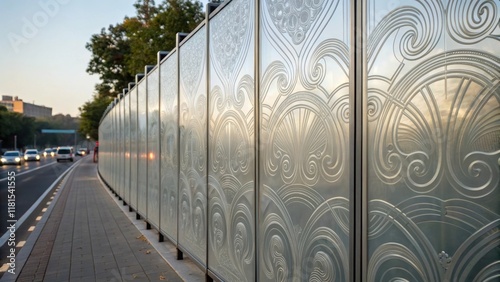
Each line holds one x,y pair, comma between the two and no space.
231,133
429,121
417,28
193,146
302,142
168,145
425,149
192,68
304,115
469,22
294,17
230,37
433,110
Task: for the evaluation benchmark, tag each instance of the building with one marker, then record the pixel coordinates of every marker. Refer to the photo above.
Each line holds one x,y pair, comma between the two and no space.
14,104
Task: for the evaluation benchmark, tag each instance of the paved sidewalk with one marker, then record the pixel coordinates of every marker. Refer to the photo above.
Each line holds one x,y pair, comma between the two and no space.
87,237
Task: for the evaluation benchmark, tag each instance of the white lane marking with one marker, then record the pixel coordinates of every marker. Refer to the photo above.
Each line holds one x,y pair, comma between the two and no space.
38,218
44,209
30,170
21,244
4,267
31,228
48,203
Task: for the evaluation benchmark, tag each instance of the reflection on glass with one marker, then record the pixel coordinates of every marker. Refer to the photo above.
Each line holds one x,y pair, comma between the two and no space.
231,208
433,141
133,148
121,160
142,138
153,148
169,146
193,146
304,106
431,131
126,149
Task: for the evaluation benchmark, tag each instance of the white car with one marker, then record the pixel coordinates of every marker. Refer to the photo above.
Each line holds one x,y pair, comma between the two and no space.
49,152
31,155
12,157
64,153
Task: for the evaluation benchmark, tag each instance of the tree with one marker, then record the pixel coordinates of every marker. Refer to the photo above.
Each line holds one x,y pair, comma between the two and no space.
91,113
109,51
27,130
155,28
122,50
16,126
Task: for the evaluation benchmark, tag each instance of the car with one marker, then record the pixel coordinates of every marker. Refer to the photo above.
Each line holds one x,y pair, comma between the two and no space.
49,152
64,153
81,152
12,157
31,155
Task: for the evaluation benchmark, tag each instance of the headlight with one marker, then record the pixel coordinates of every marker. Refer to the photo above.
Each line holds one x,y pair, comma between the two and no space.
18,159
3,160
25,158
37,157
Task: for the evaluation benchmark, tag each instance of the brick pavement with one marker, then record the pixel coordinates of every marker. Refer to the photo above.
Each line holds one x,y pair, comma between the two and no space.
88,238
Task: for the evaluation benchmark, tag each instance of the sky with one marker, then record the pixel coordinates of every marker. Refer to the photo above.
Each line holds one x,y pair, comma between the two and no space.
43,59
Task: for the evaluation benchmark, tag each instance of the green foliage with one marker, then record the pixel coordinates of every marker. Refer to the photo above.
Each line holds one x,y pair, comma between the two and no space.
91,113
109,50
122,50
15,124
159,32
27,130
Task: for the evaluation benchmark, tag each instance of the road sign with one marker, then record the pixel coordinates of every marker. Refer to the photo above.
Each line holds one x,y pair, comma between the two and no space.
63,131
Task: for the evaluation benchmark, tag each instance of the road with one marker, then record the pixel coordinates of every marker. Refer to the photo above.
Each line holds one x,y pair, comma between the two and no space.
24,167
32,179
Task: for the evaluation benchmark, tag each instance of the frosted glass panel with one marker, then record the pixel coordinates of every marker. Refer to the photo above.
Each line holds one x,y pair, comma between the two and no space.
153,149
433,141
126,149
142,174
121,161
133,148
304,141
105,129
169,146
231,170
193,146
114,179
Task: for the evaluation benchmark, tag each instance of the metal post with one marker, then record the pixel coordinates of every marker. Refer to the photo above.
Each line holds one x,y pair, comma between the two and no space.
15,142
